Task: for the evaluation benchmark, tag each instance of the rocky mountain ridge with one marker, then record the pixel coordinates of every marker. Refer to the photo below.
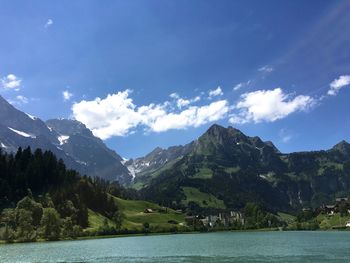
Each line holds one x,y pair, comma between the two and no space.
69,140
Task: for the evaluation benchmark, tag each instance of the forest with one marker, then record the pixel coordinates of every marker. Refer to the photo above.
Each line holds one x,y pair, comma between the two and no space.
41,199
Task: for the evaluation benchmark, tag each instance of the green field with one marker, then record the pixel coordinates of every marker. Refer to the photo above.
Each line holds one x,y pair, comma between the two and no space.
96,220
289,219
332,221
202,199
203,173
134,217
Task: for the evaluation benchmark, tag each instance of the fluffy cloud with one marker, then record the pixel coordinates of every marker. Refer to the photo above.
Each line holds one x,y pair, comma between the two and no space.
117,115
191,117
48,23
268,106
337,84
182,102
67,95
11,82
215,92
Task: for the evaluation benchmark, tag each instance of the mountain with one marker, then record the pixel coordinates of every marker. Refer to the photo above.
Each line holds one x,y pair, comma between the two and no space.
147,167
225,169
67,139
78,142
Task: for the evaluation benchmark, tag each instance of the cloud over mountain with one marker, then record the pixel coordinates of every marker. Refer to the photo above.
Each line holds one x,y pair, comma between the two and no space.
117,115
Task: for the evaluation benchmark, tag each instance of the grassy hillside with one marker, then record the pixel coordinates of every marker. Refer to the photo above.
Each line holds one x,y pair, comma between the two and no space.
202,199
332,221
134,217
326,222
143,179
96,220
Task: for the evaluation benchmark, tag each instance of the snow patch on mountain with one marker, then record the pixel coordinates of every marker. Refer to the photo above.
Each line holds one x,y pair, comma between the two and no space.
24,134
31,116
63,139
132,170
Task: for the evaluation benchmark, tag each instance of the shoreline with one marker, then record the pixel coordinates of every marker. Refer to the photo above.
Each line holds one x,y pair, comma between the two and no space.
2,242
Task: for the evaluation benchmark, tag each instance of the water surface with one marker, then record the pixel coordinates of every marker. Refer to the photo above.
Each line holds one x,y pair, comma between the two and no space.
212,247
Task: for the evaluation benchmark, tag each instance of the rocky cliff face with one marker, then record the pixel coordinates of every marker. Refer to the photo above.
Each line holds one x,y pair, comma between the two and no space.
98,160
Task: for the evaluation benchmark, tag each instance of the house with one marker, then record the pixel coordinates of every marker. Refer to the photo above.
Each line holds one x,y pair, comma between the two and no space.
225,219
148,210
347,224
341,200
329,209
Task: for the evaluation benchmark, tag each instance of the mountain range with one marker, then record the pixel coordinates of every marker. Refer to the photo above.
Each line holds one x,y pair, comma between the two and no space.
222,169
225,169
69,140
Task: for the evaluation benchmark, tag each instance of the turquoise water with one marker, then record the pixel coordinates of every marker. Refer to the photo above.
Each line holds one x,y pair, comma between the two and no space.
213,247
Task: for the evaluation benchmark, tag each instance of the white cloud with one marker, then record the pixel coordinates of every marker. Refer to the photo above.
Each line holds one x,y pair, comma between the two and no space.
191,117
182,102
117,115
266,69
215,92
66,95
337,84
48,23
174,95
268,106
113,116
22,99
11,82
241,85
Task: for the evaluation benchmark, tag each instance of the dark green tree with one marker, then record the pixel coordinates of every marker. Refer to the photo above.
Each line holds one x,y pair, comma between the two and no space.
25,230
50,224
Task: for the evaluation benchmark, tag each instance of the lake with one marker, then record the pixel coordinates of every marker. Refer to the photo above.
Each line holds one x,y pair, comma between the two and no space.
211,247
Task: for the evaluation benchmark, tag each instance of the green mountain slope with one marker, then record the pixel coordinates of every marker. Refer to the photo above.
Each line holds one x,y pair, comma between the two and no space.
236,169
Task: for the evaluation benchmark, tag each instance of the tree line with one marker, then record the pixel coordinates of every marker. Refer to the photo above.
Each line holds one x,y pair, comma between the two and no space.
41,198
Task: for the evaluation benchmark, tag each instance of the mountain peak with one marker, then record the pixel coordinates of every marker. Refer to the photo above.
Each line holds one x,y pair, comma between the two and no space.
343,147
68,127
216,129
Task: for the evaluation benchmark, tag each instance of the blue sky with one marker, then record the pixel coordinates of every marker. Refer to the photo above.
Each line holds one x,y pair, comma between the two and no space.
276,69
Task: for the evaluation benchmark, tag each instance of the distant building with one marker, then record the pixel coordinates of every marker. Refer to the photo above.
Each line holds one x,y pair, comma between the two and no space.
148,210
329,209
225,219
341,199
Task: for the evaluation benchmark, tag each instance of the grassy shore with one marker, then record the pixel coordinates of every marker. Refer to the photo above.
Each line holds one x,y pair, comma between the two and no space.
134,217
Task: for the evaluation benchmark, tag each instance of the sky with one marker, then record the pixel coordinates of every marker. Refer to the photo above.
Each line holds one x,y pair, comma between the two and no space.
142,74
